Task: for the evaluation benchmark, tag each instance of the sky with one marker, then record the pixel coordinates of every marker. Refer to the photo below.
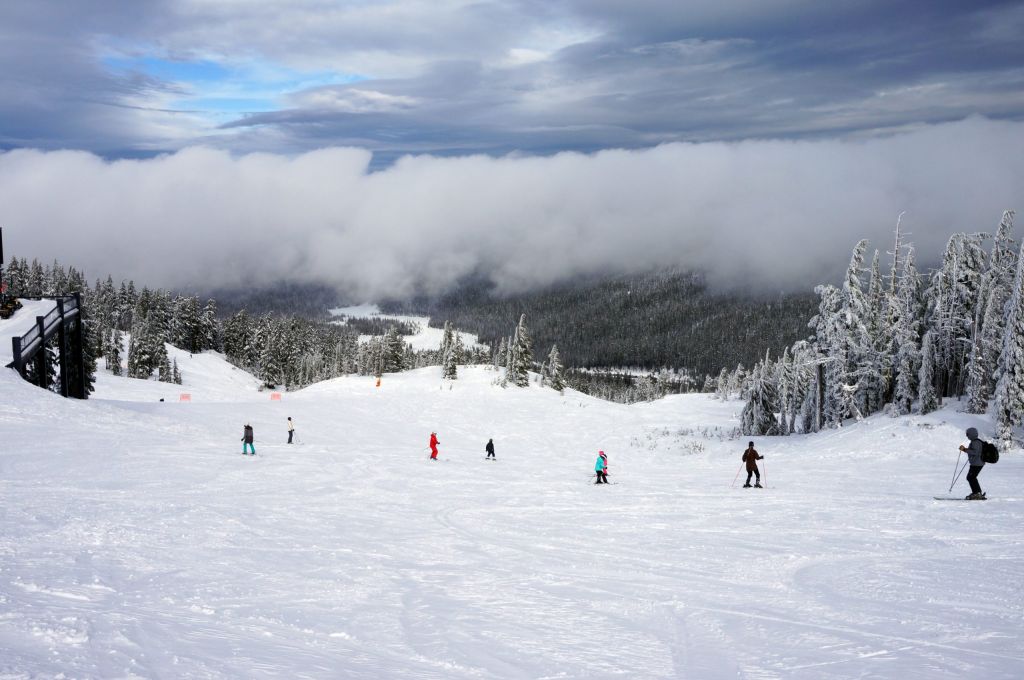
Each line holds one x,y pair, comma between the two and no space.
539,124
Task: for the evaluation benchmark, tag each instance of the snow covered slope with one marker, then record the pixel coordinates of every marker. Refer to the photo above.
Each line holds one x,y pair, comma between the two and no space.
426,338
135,541
20,324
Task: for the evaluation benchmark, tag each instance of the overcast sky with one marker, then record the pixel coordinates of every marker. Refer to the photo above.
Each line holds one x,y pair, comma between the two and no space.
447,135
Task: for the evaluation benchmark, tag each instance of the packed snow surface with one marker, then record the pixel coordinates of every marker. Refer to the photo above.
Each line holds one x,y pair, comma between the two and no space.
136,541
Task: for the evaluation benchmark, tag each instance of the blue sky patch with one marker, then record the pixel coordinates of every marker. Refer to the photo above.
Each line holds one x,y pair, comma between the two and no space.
223,90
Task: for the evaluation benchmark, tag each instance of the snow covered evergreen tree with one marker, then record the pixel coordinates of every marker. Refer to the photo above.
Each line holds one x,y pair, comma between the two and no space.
522,355
926,379
449,355
1009,396
271,368
166,373
113,356
952,300
906,305
36,280
876,362
758,416
554,370
394,351
989,320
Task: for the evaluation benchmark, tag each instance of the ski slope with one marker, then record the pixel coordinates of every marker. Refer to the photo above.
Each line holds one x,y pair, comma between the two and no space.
136,541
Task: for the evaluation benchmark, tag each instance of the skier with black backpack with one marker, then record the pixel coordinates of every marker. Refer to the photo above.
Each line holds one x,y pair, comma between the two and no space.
977,452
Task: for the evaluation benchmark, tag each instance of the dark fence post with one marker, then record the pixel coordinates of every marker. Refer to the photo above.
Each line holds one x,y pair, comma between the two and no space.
19,364
821,395
80,389
62,349
41,373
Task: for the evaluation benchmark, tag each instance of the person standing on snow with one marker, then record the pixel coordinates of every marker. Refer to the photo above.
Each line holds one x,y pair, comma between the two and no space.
490,449
976,461
247,439
291,429
601,468
433,445
751,456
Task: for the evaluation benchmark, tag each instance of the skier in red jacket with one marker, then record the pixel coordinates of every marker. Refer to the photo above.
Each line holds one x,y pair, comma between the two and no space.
433,445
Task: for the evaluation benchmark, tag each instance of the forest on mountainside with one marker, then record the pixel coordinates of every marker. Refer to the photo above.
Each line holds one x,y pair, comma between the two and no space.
669,319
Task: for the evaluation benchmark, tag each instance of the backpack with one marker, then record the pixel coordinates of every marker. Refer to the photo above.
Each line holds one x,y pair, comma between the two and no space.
989,452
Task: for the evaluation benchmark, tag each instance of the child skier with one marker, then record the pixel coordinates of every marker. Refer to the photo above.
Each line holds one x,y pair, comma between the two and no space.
490,449
433,445
751,456
291,429
977,462
601,468
247,439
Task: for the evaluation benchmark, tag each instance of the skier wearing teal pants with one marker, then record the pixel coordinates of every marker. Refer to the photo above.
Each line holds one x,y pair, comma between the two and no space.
247,440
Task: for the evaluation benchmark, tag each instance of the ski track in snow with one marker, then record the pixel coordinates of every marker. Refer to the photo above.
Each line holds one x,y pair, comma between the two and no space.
135,541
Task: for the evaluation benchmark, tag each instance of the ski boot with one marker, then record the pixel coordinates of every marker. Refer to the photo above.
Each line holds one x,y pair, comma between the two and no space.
747,485
758,486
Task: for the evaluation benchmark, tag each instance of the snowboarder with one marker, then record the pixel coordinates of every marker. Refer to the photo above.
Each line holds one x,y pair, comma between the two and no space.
601,468
974,458
433,445
490,449
247,439
750,457
291,429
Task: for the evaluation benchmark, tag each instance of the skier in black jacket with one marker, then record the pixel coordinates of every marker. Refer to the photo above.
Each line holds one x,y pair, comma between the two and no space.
976,461
490,449
247,440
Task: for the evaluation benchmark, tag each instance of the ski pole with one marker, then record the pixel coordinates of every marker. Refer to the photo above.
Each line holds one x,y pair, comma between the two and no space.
957,478
955,473
733,485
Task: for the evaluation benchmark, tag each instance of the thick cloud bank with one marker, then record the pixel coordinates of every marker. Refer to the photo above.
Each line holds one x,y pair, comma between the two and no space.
767,214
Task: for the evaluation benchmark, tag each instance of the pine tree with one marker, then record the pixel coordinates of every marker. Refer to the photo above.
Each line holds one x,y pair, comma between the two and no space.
876,363
271,368
989,321
722,385
926,379
36,280
175,373
555,369
166,373
522,355
1009,396
953,299
859,373
114,352
906,333
830,343
394,351
209,327
758,416
449,354
784,380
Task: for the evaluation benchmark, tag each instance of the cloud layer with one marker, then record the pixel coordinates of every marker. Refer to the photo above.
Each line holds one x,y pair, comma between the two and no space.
451,77
765,214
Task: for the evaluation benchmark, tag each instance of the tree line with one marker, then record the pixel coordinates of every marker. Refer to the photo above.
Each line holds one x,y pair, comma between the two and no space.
900,341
